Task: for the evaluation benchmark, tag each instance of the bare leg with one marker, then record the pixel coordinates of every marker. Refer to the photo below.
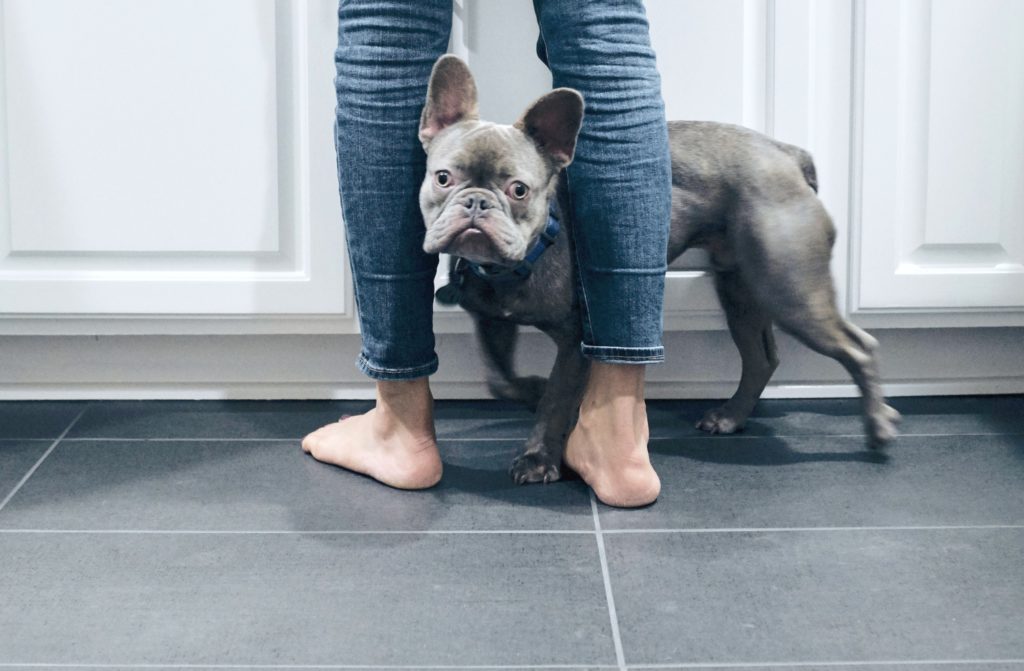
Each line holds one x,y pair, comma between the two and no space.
393,443
608,447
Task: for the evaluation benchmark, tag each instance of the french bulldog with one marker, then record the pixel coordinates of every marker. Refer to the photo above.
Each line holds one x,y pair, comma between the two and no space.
494,198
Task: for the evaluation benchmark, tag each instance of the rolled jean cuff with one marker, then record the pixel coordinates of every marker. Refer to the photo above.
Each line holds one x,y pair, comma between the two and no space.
408,373
627,355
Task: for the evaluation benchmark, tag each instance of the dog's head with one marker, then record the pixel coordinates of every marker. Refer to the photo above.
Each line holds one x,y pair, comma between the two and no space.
486,193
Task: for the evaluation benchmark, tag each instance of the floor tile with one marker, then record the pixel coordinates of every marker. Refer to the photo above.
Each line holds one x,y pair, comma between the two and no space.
302,599
210,419
813,596
727,482
483,419
284,419
37,419
842,416
273,485
16,458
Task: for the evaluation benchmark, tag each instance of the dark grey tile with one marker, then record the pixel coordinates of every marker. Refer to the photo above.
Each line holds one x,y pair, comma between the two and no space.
302,599
283,419
273,485
37,419
482,419
842,416
817,596
728,482
16,458
962,414
210,419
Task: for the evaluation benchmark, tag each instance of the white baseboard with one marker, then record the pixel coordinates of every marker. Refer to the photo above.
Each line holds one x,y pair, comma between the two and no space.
699,365
476,391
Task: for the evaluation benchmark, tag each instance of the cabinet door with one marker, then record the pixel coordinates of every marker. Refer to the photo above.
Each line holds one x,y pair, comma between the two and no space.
939,236
168,158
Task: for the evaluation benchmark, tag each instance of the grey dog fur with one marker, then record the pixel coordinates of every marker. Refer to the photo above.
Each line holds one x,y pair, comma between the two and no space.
747,199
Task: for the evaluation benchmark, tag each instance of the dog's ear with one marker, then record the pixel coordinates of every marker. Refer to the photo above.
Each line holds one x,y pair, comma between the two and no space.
553,122
451,97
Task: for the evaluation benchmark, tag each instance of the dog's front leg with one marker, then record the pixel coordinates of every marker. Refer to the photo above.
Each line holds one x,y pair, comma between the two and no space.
541,458
497,338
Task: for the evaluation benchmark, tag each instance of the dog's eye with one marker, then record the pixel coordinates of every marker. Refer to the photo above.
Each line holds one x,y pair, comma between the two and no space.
443,178
519,190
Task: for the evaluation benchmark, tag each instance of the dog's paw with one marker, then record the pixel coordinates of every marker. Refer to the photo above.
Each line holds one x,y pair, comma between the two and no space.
720,420
882,427
535,467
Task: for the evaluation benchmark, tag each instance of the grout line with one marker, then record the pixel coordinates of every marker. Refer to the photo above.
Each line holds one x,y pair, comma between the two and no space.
745,530
709,436
39,461
443,439
142,439
699,665
747,665
283,441
312,532
304,666
505,532
605,574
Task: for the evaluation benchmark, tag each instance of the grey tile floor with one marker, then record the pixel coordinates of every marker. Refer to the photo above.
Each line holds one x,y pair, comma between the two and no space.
198,535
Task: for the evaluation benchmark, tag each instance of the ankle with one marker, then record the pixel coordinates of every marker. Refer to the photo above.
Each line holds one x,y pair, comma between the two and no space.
619,378
614,383
405,406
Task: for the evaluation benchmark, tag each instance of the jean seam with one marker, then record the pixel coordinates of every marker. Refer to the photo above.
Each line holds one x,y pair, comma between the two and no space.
588,327
609,355
348,248
408,372
628,351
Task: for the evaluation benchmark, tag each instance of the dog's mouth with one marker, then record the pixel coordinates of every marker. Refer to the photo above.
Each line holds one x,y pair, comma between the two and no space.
468,236
485,238
474,244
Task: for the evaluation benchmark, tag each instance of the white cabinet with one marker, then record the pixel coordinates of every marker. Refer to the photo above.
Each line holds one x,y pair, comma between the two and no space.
167,177
940,161
167,158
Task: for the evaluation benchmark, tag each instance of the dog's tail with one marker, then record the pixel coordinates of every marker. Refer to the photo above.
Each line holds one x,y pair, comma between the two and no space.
806,163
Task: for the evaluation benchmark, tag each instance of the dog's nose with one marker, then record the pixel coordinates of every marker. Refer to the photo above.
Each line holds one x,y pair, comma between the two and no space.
476,203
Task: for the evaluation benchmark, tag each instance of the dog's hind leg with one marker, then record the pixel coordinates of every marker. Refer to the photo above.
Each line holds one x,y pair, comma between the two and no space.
820,327
786,244
751,330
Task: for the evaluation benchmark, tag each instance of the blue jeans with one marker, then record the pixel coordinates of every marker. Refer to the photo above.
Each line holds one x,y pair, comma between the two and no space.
619,182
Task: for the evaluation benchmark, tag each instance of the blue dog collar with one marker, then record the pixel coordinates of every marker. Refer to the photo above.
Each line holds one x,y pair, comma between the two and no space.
522,270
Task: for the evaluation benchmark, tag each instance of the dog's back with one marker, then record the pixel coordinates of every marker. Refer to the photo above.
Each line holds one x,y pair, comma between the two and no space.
714,165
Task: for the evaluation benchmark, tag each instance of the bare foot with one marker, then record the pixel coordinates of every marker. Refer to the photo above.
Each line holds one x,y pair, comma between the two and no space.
393,443
608,446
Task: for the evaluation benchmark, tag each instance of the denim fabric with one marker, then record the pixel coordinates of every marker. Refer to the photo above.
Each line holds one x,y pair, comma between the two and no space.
386,49
620,180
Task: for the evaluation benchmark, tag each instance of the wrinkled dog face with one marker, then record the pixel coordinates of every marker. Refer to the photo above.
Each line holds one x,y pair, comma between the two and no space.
486,192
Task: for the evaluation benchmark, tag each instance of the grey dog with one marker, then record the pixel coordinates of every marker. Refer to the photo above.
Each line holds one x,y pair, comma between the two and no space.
489,197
